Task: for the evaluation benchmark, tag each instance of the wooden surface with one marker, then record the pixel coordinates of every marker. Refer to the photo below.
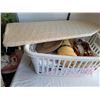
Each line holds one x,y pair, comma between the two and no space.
36,32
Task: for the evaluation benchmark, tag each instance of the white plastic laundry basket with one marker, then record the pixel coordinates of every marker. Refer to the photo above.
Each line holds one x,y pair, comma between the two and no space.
50,64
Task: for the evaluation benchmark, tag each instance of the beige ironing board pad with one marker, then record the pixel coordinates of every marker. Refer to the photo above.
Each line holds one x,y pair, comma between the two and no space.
17,34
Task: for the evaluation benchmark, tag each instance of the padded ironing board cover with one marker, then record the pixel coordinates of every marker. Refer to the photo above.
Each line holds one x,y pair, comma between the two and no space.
17,34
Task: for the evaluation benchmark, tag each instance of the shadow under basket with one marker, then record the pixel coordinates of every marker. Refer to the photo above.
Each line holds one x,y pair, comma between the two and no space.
50,64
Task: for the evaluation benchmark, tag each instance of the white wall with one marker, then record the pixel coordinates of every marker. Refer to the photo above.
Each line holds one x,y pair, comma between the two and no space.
99,18
27,17
92,17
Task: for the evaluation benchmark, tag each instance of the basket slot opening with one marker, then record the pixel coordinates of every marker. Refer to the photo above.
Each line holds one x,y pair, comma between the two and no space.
69,64
82,67
58,64
62,67
96,49
95,64
98,52
52,66
91,64
92,45
73,64
83,64
40,65
77,64
88,63
63,63
58,67
49,65
92,39
80,64
43,64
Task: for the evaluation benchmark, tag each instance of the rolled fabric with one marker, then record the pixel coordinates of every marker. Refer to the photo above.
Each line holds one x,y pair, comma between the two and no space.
82,47
66,50
66,42
48,47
